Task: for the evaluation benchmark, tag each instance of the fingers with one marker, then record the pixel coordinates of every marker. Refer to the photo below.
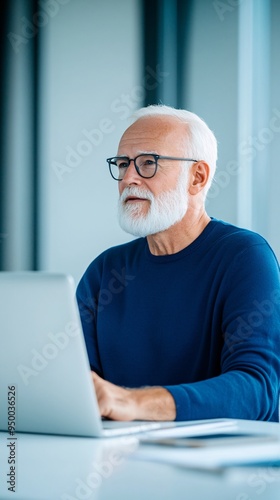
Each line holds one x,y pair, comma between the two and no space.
95,377
114,402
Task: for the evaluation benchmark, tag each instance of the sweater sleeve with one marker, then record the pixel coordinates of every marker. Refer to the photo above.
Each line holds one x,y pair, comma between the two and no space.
248,386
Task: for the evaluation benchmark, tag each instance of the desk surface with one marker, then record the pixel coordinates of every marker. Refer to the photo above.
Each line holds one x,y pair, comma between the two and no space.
65,468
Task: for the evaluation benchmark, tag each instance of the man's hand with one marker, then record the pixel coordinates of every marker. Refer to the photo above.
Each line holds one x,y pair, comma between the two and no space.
118,403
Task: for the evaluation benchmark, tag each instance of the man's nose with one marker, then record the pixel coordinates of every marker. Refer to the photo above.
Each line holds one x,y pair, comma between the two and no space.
131,175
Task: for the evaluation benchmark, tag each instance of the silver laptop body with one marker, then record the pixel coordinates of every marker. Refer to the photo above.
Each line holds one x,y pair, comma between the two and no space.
45,382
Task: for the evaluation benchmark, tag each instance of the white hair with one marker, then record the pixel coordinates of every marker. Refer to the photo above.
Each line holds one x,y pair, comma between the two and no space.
201,143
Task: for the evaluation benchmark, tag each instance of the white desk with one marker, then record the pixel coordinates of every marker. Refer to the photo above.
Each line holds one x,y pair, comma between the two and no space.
51,467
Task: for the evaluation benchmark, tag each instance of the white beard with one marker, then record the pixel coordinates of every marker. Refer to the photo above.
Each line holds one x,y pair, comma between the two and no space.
165,210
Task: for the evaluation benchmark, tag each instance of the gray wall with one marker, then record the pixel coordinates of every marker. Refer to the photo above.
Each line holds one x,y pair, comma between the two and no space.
91,83
212,93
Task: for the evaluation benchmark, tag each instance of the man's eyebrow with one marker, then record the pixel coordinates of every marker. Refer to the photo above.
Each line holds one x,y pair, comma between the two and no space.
153,152
139,152
145,152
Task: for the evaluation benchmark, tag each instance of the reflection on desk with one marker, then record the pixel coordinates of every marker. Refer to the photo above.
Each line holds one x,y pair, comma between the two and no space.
67,468
61,467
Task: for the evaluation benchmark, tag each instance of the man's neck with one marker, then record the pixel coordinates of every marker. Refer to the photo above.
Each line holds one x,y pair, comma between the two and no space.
180,235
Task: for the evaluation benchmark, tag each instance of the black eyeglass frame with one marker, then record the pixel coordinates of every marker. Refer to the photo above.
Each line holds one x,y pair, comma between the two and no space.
155,156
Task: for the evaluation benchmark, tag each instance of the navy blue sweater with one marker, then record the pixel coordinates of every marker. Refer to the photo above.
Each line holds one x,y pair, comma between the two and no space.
203,322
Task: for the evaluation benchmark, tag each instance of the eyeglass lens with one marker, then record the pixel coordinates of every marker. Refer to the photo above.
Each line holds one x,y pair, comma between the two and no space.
145,165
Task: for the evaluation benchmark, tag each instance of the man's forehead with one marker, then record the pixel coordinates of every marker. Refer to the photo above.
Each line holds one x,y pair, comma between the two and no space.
151,133
155,123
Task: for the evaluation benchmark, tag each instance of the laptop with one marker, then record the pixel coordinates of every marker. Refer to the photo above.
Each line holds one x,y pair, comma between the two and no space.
45,381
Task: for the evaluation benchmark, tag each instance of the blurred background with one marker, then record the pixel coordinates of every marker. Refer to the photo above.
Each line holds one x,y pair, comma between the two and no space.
72,73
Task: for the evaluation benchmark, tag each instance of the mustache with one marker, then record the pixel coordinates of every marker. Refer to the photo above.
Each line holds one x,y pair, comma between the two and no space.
137,192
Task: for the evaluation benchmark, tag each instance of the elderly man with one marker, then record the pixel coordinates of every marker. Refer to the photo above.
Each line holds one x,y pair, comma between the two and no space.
183,322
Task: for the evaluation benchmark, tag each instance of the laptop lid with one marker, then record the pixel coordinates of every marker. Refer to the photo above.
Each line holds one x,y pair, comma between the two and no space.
45,382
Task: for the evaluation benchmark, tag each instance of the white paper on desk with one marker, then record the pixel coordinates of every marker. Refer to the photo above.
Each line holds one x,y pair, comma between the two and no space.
210,458
192,429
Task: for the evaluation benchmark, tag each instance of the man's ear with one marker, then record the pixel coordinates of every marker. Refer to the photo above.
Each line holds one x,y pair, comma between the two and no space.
199,176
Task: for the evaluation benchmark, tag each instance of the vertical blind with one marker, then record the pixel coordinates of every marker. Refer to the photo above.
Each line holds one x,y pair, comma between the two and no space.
19,134
166,31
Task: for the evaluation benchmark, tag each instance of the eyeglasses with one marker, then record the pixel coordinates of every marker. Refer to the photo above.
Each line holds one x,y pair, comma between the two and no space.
145,164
